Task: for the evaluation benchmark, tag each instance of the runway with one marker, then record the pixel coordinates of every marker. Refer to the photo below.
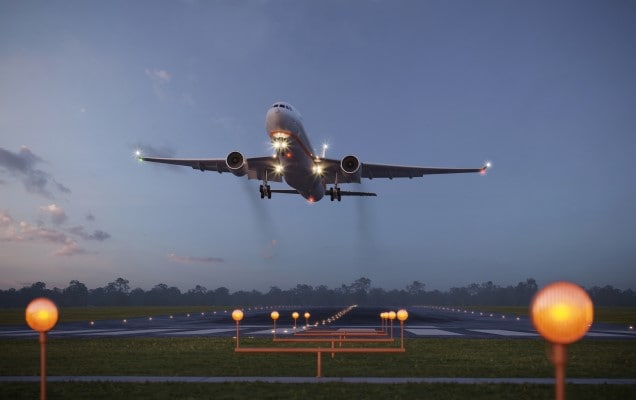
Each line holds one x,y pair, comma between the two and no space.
423,322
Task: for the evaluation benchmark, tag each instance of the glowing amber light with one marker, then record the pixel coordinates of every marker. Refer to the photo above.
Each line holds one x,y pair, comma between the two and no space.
274,315
237,315
402,315
562,312
41,314
307,315
392,315
295,315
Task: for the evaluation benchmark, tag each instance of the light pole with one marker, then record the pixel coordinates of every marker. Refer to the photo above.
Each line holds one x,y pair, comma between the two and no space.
402,315
391,316
275,315
295,316
237,315
41,315
307,315
562,313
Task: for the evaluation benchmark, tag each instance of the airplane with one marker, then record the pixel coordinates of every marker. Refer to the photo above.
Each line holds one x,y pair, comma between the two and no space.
310,175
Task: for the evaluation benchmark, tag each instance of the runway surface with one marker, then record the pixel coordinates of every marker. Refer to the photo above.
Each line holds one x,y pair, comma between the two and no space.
423,322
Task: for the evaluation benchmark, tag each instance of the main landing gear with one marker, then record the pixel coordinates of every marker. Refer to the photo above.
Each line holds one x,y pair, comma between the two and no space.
265,191
334,193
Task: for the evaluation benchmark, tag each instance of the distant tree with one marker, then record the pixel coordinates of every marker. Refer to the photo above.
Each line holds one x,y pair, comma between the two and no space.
75,294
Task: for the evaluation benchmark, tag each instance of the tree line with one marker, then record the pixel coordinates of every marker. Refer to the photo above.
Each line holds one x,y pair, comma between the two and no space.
119,293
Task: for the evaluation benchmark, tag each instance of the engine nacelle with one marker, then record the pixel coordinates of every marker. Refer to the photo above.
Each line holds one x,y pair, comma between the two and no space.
236,163
350,165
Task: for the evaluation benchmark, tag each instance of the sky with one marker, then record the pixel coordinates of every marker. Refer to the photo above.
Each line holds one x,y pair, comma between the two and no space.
545,90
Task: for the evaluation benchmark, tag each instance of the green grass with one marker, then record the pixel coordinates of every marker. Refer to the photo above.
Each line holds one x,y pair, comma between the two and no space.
612,315
333,391
215,357
15,316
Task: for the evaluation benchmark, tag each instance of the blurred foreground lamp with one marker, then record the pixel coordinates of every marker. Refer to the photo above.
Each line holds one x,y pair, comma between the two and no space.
41,315
295,316
402,315
237,315
275,315
562,313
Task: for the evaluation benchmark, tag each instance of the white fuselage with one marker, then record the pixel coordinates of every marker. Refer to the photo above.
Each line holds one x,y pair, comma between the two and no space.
294,151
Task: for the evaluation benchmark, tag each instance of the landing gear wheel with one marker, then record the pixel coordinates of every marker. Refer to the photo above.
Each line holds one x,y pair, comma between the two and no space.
331,195
338,195
269,192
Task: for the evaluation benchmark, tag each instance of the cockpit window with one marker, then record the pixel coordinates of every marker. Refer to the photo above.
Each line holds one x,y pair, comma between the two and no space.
288,107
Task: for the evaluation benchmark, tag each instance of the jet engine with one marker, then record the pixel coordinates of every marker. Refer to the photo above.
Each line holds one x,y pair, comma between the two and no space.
236,163
350,165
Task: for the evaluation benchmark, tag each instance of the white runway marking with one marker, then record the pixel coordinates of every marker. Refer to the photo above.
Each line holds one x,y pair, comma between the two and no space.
130,332
81,331
603,334
432,332
279,331
201,332
502,332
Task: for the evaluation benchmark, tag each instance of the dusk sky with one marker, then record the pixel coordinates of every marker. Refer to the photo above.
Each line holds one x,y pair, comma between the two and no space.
546,90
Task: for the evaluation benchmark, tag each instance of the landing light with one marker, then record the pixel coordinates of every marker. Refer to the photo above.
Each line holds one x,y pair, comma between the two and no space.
278,169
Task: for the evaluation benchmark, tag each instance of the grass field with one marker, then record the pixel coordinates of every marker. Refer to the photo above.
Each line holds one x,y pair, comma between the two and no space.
332,391
215,357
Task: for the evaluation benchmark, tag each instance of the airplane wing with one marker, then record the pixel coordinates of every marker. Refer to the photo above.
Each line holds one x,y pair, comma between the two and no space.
333,173
257,167
372,171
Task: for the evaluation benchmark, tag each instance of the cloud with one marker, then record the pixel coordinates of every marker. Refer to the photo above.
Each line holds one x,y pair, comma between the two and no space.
158,75
58,216
10,231
70,248
194,260
159,78
97,235
23,166
90,217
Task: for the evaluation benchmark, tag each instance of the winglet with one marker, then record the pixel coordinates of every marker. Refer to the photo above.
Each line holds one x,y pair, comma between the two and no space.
485,167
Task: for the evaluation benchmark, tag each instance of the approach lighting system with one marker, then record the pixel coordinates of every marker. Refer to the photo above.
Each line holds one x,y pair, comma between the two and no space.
237,315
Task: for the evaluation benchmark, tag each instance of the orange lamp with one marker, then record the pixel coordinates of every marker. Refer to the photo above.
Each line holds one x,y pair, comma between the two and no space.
275,315
402,315
562,312
41,314
237,315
